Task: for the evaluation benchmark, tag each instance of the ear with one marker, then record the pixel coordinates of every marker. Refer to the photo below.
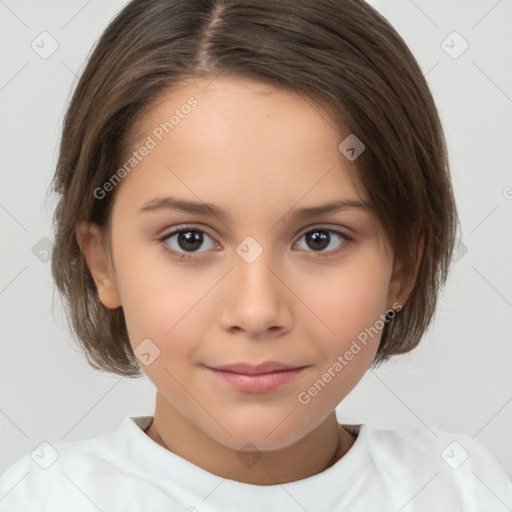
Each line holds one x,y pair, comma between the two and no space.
401,286
90,241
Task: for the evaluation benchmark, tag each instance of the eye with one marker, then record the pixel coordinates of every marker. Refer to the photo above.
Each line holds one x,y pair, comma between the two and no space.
186,241
321,238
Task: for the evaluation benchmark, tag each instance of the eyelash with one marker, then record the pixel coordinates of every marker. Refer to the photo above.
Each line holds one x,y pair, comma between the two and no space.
187,256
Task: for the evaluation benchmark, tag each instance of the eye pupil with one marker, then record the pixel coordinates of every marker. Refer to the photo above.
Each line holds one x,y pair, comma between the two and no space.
190,240
320,239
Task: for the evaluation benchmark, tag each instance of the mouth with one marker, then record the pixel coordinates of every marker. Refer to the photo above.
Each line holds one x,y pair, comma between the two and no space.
261,378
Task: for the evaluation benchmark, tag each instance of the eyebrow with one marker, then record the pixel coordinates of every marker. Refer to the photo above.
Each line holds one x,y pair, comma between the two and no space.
201,208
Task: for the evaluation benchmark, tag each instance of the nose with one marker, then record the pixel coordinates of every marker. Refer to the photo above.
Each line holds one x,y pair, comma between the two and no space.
256,301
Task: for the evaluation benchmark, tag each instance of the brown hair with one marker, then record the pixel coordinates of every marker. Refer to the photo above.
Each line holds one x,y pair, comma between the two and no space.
342,53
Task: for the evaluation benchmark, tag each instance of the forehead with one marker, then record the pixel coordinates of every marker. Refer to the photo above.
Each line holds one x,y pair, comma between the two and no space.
242,139
254,109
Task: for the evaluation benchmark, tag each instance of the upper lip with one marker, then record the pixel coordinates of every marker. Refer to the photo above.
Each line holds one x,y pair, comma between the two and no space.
250,369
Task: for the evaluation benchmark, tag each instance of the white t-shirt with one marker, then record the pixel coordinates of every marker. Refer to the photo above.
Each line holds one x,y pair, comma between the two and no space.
127,471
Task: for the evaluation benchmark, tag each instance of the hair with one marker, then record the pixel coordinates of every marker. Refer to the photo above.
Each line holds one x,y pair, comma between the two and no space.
340,53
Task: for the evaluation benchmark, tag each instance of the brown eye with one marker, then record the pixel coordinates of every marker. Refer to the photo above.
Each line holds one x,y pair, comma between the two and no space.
189,240
319,239
186,241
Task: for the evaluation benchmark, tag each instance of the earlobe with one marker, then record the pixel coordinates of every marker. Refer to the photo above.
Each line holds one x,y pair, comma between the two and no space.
396,292
402,283
89,239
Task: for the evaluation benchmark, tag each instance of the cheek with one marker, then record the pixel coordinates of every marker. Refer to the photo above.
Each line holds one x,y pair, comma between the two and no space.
349,298
162,302
149,305
349,303
161,314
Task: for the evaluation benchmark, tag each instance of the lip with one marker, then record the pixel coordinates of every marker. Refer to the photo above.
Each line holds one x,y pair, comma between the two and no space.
258,369
261,378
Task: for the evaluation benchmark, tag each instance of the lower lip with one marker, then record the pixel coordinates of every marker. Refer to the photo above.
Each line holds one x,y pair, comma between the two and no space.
262,383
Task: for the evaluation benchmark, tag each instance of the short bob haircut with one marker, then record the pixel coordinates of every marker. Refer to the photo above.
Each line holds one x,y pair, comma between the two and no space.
339,53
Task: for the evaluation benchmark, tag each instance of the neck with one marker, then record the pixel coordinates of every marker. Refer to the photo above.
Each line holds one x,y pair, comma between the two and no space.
311,455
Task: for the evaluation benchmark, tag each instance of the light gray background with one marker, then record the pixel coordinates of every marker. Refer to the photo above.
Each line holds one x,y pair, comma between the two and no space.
459,379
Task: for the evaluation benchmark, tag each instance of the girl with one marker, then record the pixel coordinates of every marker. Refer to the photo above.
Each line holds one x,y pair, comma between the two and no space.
254,208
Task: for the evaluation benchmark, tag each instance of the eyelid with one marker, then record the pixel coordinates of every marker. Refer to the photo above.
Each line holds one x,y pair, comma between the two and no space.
345,231
183,227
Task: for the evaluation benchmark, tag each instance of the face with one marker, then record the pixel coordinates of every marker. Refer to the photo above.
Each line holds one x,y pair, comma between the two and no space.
261,279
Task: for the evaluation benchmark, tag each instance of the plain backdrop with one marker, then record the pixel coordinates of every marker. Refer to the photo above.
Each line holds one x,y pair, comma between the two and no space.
458,379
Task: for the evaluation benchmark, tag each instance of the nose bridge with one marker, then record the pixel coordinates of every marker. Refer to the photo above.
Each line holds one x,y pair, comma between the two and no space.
253,264
256,297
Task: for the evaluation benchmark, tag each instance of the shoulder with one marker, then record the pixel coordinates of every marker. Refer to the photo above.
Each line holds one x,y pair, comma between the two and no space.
455,465
54,474
28,484
71,476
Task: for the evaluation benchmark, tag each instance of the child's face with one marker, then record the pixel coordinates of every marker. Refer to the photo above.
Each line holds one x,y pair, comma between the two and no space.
260,157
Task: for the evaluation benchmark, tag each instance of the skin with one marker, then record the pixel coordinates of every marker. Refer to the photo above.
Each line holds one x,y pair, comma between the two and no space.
259,153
